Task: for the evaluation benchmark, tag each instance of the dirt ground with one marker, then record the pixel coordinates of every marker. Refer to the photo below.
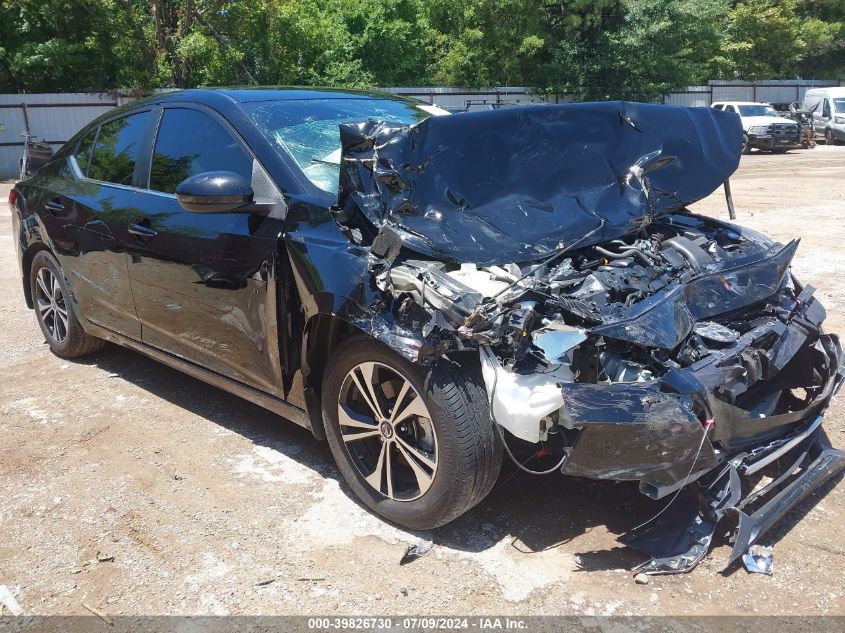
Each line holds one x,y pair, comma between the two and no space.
210,505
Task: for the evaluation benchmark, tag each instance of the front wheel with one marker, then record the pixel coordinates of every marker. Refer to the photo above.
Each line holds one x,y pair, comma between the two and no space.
746,146
54,310
415,444
828,137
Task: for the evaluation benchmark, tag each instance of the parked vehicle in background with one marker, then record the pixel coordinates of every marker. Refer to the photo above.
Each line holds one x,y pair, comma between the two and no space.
763,127
828,107
794,110
37,152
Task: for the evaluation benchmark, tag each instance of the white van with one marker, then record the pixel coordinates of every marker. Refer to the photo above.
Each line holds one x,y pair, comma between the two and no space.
828,106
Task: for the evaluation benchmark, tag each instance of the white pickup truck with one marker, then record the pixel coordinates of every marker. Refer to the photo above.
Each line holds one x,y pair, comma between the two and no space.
763,127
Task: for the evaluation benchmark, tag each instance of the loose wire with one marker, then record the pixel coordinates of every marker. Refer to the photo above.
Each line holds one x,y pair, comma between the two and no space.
505,442
708,424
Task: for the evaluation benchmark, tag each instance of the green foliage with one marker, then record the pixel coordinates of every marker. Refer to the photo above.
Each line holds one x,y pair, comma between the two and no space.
641,49
635,49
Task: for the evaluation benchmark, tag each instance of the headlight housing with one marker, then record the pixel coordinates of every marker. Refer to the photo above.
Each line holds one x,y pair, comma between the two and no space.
759,130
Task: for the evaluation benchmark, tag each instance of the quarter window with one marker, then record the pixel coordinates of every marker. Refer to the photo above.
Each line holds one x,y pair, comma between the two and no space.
116,149
82,154
191,142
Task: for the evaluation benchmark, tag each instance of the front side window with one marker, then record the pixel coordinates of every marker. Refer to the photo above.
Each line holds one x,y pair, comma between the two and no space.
308,130
116,149
839,105
191,142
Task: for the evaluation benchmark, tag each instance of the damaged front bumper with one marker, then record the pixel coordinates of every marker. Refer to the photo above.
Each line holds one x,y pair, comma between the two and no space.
701,429
677,541
635,340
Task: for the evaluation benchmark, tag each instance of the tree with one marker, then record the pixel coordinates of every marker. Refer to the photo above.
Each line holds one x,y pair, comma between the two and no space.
51,45
641,49
769,39
635,49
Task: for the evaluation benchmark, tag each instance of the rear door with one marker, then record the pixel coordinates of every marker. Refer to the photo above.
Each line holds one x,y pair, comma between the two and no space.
85,213
204,284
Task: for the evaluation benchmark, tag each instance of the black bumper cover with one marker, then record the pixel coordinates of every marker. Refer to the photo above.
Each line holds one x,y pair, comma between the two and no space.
678,540
655,433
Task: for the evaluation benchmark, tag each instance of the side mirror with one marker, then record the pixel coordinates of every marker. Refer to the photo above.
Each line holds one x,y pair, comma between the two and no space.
214,192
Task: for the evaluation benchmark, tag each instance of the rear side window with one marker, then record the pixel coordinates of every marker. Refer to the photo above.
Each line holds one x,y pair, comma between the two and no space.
191,142
116,149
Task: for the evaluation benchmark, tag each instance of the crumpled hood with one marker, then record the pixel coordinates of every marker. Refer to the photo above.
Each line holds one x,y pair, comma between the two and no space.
516,184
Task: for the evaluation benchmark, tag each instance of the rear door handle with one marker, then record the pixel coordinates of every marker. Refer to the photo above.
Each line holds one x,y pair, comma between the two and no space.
141,231
55,205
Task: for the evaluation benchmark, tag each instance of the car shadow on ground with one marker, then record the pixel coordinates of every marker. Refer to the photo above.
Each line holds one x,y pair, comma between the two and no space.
534,514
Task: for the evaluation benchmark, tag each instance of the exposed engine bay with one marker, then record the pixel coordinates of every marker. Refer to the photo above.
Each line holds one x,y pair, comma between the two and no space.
636,341
606,315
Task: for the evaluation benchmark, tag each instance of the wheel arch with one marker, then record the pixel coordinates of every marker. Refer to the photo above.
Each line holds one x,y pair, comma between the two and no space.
26,269
322,335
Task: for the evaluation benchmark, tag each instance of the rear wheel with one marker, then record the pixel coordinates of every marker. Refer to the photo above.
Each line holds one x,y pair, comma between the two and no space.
416,445
54,310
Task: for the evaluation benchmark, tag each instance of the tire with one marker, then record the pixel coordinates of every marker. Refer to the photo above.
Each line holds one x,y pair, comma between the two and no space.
55,312
466,450
828,137
746,148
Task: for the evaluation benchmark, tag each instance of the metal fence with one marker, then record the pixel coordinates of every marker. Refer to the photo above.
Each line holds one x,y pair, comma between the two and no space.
57,117
53,117
767,92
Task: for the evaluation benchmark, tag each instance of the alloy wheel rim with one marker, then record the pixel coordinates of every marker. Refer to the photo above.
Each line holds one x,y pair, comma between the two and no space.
387,430
50,301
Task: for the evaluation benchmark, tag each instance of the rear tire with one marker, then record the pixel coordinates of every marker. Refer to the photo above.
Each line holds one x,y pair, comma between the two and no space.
54,310
459,452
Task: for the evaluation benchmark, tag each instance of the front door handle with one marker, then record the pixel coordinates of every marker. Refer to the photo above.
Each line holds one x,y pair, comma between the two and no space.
141,231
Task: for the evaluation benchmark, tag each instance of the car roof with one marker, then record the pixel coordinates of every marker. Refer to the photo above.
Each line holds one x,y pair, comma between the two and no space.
255,94
831,91
741,103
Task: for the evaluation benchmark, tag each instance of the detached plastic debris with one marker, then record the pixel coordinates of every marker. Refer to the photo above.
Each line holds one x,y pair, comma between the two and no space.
759,560
416,551
7,601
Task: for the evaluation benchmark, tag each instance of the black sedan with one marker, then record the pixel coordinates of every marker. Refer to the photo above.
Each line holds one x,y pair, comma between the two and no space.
430,293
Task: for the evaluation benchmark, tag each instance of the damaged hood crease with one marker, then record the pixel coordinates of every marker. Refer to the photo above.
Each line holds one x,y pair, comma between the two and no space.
516,184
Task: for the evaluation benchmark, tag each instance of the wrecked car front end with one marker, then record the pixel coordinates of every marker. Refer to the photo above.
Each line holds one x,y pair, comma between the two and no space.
621,333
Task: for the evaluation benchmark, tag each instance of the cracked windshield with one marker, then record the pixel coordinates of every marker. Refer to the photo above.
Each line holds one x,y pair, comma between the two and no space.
307,130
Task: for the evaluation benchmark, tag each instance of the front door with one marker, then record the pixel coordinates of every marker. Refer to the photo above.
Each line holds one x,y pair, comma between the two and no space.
203,283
